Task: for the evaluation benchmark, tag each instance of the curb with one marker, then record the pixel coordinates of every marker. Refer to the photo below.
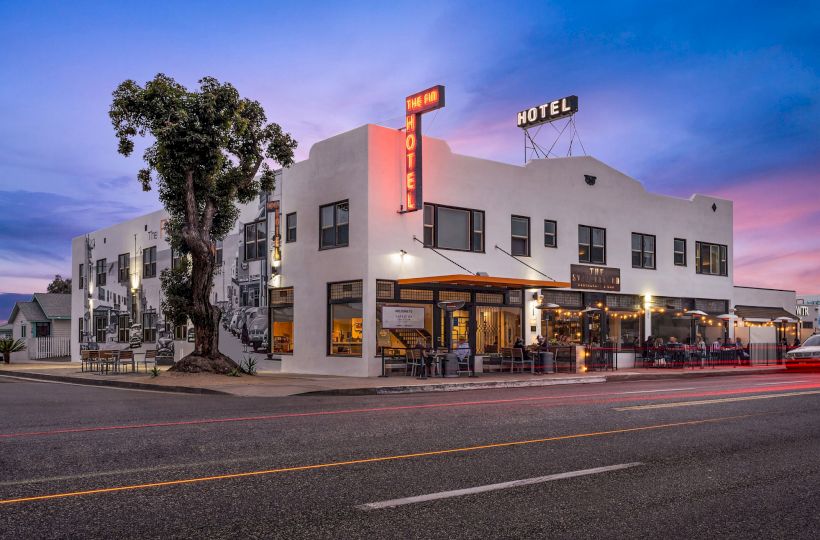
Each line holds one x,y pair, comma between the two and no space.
115,384
690,374
451,387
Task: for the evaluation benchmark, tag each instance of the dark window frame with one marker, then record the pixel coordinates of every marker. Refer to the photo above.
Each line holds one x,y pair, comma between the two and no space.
81,281
100,272
336,225
554,233
149,265
675,252
288,228
723,259
123,277
643,250
473,212
591,244
329,317
259,254
512,236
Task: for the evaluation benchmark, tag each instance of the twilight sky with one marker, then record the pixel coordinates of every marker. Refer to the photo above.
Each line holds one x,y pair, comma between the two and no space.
685,97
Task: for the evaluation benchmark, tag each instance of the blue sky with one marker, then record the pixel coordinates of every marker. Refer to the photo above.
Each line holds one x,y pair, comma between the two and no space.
687,98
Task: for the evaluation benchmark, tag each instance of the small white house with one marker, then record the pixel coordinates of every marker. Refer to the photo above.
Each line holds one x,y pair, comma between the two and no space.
44,323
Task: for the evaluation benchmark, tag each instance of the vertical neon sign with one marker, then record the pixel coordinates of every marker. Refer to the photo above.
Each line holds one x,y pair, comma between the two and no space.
416,105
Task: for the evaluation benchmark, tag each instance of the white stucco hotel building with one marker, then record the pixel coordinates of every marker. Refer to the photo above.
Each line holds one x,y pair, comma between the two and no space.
568,231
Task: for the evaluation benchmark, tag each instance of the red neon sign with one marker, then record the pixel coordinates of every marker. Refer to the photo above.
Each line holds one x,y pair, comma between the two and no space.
416,105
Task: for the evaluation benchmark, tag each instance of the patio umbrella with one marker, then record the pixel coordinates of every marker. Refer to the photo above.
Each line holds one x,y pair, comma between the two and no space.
727,316
697,312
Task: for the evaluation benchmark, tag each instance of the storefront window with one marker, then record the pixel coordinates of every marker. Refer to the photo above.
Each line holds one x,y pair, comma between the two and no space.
281,321
624,328
402,326
496,328
346,329
564,326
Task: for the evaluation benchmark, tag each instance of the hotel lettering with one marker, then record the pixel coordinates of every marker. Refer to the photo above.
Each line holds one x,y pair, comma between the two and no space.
416,105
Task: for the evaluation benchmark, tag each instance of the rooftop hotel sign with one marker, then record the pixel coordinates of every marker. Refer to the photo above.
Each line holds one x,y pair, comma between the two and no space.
548,112
416,105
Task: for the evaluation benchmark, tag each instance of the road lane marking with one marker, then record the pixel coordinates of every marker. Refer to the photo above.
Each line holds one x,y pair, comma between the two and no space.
656,391
379,459
785,381
711,401
392,503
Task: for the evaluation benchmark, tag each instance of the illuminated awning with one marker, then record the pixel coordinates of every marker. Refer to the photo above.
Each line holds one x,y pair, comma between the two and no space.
467,280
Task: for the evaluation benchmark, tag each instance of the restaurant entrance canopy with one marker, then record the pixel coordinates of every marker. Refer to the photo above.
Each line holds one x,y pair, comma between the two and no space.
468,280
762,314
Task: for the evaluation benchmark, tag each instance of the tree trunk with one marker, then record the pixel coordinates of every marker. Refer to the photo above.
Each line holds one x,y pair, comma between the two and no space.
206,356
7,357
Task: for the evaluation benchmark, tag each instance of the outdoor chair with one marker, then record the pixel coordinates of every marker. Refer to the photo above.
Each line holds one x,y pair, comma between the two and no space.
88,359
520,359
412,362
150,357
506,357
126,357
464,365
108,359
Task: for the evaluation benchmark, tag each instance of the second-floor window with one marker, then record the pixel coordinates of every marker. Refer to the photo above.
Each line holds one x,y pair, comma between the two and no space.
643,250
81,281
101,265
123,263
550,233
290,227
149,262
219,252
680,252
711,259
520,236
255,244
448,227
591,244
334,225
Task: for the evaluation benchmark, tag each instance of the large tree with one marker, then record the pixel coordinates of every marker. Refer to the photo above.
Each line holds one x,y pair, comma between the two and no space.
59,285
207,155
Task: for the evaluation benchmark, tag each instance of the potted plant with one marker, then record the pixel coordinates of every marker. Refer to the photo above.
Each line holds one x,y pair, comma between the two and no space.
9,345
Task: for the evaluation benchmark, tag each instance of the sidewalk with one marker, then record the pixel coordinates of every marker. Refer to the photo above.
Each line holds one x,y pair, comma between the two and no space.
272,384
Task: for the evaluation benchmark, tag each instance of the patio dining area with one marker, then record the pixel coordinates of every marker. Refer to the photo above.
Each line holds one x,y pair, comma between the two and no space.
116,361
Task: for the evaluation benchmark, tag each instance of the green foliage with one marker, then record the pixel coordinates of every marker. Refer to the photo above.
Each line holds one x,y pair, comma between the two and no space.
177,301
235,372
213,135
155,371
248,367
9,345
59,285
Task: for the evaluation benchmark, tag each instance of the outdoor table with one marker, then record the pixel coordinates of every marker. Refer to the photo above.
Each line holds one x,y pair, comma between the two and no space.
427,362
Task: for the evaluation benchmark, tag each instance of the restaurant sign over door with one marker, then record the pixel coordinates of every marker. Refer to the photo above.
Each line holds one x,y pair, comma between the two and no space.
599,278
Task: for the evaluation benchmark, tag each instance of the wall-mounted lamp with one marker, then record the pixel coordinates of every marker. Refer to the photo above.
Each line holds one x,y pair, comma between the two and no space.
403,253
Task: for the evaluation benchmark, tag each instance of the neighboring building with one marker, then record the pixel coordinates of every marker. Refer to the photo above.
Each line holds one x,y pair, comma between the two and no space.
5,331
44,323
344,274
808,310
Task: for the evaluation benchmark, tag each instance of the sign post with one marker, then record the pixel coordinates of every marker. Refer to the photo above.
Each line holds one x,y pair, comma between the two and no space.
416,105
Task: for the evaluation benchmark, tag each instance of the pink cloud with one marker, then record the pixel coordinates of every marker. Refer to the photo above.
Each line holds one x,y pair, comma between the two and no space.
777,221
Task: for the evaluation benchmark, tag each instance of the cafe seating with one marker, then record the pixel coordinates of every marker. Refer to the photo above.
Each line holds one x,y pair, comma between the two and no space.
89,359
108,359
126,357
520,359
150,357
412,361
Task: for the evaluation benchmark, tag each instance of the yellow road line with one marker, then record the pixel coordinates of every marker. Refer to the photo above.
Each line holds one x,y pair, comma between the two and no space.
366,460
711,401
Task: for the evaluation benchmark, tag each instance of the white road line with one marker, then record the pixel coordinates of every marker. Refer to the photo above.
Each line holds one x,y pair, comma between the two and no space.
665,390
713,401
492,487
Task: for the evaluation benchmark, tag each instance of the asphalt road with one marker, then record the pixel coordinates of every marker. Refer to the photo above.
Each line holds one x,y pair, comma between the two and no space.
741,460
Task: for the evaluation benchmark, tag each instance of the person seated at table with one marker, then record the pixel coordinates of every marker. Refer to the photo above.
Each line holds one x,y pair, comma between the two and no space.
742,355
462,352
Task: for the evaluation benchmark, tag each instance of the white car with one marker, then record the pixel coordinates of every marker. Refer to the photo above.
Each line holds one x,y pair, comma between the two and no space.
807,354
